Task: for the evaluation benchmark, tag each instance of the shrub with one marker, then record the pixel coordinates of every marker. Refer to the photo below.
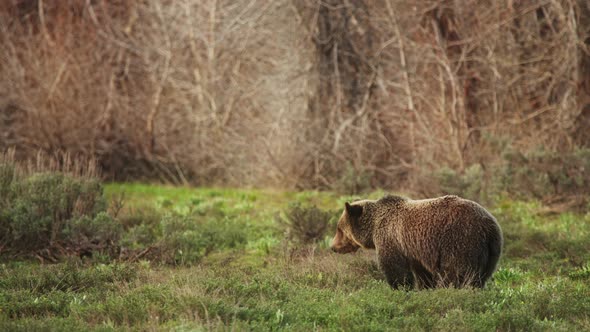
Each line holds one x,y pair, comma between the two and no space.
353,181
187,239
142,227
305,225
538,174
53,213
100,232
545,174
469,184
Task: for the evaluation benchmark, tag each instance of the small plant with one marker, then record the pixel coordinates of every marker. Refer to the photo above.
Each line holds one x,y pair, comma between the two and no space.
7,174
581,273
508,275
264,244
305,225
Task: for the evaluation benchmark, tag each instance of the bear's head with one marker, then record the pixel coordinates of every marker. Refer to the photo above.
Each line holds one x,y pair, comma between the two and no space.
354,229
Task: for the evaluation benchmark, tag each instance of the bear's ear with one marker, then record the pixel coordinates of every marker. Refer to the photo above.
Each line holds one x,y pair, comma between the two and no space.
353,210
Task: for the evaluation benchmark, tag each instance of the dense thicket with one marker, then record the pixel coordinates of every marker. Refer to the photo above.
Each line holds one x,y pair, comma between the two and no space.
341,94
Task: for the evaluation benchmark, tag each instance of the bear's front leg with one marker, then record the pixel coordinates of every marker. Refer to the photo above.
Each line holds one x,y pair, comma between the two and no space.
396,269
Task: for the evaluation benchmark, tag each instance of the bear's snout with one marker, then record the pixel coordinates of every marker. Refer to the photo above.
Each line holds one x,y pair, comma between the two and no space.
348,248
342,244
333,245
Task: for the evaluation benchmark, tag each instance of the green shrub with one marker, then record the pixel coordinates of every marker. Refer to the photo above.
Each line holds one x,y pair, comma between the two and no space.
142,227
305,225
538,174
354,181
543,174
100,232
468,184
54,213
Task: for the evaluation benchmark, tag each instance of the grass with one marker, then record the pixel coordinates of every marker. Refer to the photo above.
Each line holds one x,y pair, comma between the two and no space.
263,282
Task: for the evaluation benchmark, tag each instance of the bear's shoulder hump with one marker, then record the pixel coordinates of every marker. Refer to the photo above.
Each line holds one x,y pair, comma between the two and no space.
391,199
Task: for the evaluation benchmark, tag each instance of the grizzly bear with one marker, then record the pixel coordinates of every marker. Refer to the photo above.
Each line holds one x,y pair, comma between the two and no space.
445,241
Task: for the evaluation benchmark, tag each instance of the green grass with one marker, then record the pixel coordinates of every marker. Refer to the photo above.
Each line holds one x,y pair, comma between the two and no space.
261,282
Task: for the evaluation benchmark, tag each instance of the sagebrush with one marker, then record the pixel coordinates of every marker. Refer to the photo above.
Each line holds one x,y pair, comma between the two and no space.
49,214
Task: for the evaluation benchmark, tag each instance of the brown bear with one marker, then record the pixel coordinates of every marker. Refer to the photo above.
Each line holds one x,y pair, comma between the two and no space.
445,241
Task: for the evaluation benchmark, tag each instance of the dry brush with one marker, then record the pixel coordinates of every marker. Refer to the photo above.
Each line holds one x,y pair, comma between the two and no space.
341,94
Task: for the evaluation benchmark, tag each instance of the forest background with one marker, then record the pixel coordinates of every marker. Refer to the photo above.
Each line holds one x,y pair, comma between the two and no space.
469,97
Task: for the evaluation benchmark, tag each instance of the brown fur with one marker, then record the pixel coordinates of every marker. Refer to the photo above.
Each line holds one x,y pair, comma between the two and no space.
445,241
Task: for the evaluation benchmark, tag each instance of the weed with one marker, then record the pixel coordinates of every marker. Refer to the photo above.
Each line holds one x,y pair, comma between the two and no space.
509,276
581,272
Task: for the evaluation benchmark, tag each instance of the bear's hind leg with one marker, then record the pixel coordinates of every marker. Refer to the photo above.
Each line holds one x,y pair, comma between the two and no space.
397,271
422,277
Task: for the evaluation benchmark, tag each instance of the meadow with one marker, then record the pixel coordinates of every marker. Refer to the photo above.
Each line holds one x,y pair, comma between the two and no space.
229,259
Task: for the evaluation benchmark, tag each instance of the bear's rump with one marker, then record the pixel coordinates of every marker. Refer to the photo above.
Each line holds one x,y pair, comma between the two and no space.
455,246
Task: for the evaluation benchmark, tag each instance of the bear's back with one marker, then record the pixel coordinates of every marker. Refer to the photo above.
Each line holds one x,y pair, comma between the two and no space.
442,211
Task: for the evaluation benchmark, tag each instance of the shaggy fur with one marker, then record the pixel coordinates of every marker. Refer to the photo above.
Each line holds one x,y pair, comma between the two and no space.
445,241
